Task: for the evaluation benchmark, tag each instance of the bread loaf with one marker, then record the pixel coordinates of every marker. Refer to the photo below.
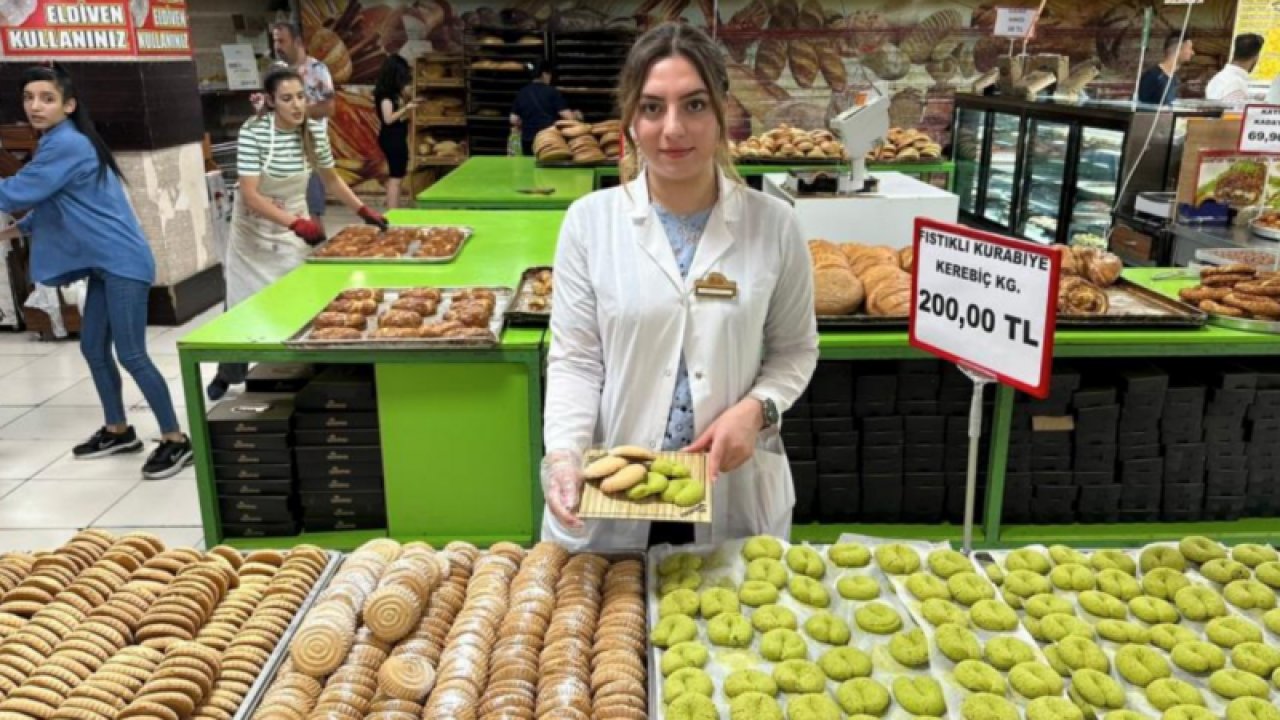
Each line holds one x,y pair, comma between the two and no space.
836,291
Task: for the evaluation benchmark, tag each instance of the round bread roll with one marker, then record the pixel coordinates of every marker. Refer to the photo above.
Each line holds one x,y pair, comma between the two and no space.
891,298
879,274
836,292
874,256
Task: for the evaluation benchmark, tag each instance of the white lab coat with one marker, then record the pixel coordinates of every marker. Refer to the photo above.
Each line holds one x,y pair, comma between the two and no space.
623,315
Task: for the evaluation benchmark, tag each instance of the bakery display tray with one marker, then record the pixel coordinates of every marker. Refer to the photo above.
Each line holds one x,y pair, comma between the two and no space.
502,297
407,258
1247,325
1264,232
518,312
269,670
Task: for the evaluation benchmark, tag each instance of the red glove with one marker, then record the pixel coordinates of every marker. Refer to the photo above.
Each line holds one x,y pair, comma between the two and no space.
309,230
373,217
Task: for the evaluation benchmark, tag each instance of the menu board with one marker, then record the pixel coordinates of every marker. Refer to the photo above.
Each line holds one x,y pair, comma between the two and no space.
1263,18
57,28
164,29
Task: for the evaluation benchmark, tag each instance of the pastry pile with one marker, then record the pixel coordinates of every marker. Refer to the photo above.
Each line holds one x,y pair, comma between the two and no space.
582,143
411,313
643,474
1086,273
786,142
105,627
908,145
366,241
502,633
537,290
1237,291
851,277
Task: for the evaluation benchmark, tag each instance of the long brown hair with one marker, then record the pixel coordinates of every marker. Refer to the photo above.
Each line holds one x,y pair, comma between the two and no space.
662,42
270,84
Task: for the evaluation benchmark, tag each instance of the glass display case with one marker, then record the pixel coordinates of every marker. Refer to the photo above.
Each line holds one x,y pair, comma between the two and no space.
1049,171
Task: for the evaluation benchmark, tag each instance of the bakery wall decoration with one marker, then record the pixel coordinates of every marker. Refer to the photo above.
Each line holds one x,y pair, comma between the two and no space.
799,62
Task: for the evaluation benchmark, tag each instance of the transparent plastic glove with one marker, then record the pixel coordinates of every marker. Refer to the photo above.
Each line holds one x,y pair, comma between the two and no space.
562,487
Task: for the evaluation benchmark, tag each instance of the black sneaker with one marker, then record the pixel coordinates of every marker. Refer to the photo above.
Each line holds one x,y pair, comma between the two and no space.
104,443
168,460
217,389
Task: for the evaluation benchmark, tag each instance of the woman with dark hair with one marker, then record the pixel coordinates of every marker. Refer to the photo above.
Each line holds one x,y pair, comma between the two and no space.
271,231
393,128
82,227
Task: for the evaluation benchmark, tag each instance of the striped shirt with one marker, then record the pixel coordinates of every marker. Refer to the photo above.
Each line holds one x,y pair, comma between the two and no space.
287,156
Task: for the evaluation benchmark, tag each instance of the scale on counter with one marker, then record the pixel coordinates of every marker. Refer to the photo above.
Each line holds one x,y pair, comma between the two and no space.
862,128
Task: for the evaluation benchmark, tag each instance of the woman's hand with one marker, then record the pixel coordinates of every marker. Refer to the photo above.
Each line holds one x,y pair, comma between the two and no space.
373,217
562,487
730,441
309,230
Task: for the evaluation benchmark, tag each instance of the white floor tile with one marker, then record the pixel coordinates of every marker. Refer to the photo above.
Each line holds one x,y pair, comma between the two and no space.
126,466
166,344
156,503
9,414
34,392
8,486
15,343
9,363
22,460
84,394
74,503
27,540
53,423
55,365
173,537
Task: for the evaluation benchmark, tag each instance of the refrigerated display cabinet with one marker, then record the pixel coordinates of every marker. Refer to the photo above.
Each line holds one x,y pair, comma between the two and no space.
1048,171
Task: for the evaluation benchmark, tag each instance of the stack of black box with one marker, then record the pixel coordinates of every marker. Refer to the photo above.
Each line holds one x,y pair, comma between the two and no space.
1262,486
253,465
1093,460
339,451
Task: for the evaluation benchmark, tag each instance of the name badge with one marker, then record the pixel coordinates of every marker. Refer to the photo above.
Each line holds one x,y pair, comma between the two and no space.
716,285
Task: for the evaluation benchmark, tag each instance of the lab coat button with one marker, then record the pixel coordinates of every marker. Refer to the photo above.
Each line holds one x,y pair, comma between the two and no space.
698,375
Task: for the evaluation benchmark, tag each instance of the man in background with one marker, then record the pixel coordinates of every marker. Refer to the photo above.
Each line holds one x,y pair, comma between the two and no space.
1231,84
291,51
537,107
1159,84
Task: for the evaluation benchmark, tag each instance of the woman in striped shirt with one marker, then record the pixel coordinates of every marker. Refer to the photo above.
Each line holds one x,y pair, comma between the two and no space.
272,232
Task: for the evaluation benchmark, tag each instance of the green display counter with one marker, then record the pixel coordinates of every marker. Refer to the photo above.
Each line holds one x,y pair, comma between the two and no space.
461,430
501,183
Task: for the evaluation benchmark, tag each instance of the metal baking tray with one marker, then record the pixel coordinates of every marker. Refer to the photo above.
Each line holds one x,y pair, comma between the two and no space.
1260,258
1257,326
502,297
1264,232
407,258
272,666
518,313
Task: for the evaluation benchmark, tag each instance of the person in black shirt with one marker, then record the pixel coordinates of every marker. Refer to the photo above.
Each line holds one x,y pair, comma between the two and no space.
1159,84
393,128
537,107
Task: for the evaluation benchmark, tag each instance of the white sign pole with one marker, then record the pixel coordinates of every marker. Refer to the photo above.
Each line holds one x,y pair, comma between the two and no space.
980,381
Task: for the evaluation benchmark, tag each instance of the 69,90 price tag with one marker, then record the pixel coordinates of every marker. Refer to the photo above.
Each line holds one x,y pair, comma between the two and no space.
1260,129
985,301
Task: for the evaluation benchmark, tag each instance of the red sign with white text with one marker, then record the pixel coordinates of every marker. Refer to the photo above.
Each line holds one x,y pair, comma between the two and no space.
62,28
165,31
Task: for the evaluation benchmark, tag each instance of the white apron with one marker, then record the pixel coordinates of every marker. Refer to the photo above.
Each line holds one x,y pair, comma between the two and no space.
261,251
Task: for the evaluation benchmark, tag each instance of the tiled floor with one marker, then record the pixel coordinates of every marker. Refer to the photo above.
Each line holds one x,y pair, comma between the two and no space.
47,405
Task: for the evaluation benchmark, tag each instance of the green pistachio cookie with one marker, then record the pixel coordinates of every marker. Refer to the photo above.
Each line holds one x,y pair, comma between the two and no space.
1250,595
692,706
968,588
1097,689
1117,583
809,591
1228,632
1199,604
1004,652
718,600
672,630
755,593
1167,636
1078,653
767,570
845,663
683,655
806,561
754,706
1256,658
1045,604
679,562
762,546
985,706
976,676
1057,626
897,559
772,617
1224,570
687,680
878,618
1153,611
1065,555
1197,656
1254,555
812,706
1162,556
1141,666
799,676
910,648
827,628
1231,684
937,611
863,696
1169,692
1073,578
994,573
1033,627
1113,560
730,629
944,563
1200,550
858,587
1163,582
1053,708
1122,715
683,580
919,695
679,602
957,643
782,644
1123,632
849,555
1102,605
1029,560
1188,712
993,616
744,681
1268,573
1271,619
925,586
1251,708
1032,680
1025,583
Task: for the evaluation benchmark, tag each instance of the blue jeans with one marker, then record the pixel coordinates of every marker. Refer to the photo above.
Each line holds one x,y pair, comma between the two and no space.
315,196
115,310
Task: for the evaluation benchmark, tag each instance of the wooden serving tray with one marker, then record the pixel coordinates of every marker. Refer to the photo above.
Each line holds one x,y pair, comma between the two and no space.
596,504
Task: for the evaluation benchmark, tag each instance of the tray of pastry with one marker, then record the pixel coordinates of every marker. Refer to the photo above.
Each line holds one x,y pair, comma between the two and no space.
634,483
1239,297
424,244
532,303
1130,305
421,318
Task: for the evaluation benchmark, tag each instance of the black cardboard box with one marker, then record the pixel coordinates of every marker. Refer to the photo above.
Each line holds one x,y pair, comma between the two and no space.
340,388
283,529
924,458
831,410
798,426
881,498
278,377
265,508
337,421
1045,462
310,459
838,497
353,483
324,438
923,503
252,457
1094,458
252,414
343,504
827,426
838,438
1106,477
1178,498
234,473
1225,508
914,388
341,524
1147,471
1099,499
1127,452
876,388
1140,497
925,430
255,487
835,459
1092,397
1227,482
833,381
882,460
804,476
250,442
1223,429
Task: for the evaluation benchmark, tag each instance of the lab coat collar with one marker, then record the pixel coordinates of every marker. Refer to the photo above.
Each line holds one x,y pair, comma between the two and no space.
729,203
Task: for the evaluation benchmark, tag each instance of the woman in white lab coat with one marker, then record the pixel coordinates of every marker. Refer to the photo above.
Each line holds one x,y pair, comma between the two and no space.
641,355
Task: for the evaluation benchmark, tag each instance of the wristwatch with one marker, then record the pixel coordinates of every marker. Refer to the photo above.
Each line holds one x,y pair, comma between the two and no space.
769,410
